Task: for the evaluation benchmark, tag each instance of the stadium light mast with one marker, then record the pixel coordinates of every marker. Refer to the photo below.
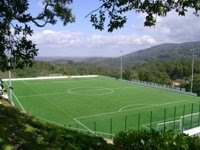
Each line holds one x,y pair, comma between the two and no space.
192,76
121,65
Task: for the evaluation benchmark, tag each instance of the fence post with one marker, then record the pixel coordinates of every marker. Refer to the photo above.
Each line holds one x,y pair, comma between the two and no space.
95,127
138,121
199,114
151,120
110,128
191,116
77,127
174,117
164,118
183,117
125,123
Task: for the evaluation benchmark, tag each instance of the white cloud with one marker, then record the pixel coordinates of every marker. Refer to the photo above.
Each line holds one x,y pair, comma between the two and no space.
57,39
172,28
121,40
67,43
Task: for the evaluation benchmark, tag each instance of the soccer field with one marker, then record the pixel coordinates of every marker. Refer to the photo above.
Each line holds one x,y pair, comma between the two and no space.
104,105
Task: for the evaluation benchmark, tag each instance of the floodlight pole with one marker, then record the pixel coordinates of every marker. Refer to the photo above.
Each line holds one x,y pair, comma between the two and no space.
192,76
121,64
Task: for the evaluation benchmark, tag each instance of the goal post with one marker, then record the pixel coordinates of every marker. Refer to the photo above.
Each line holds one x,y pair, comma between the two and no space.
190,120
170,125
182,123
55,75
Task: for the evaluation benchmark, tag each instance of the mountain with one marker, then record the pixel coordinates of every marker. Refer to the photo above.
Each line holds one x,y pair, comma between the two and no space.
163,52
64,60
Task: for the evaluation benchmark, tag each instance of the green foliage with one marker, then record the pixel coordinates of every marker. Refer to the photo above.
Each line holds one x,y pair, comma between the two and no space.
69,68
20,131
116,11
130,74
154,140
15,47
196,84
162,72
164,52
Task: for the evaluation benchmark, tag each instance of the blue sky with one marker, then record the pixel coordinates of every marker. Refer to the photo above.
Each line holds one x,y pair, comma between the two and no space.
81,39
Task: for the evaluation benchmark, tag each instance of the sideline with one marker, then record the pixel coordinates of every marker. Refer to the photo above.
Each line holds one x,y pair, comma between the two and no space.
48,77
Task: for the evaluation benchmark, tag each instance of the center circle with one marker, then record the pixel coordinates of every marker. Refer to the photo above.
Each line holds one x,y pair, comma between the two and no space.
90,91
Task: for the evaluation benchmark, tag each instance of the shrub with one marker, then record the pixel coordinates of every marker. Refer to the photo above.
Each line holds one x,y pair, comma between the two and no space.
154,140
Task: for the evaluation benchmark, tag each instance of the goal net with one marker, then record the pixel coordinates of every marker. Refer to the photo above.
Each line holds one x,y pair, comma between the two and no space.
183,123
190,120
55,75
170,125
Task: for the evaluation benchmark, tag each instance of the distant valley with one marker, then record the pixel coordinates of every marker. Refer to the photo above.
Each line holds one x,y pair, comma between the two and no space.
163,52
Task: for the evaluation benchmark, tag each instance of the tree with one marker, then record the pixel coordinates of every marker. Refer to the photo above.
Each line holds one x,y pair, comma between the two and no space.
15,20
115,11
145,75
130,74
196,85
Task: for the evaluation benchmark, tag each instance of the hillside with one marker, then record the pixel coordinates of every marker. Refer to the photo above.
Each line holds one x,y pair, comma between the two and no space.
163,52
23,132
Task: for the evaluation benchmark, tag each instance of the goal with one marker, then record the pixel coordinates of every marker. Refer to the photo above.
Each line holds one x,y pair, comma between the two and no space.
190,120
170,125
55,75
180,124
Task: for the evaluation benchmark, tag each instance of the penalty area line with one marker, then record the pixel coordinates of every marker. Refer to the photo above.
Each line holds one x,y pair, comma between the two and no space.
139,108
83,126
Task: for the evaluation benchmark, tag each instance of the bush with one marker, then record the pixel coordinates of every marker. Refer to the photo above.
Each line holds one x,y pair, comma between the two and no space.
154,140
21,131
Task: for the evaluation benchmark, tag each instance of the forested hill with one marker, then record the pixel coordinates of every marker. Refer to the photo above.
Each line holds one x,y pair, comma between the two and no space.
164,52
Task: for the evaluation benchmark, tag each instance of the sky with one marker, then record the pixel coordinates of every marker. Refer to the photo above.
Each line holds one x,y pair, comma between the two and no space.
80,39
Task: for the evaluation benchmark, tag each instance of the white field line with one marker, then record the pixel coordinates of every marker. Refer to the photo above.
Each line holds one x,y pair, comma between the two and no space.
76,92
73,128
126,87
60,109
160,121
103,88
58,93
62,125
17,99
58,77
19,102
63,82
121,109
114,112
45,94
168,122
83,125
50,101
98,89
145,126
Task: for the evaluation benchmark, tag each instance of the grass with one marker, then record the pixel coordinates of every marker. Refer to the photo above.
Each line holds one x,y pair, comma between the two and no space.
101,105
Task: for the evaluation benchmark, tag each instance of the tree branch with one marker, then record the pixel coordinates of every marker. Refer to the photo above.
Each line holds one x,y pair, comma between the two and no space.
94,10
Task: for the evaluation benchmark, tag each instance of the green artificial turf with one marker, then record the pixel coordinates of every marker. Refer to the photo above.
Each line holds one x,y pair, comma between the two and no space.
103,105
